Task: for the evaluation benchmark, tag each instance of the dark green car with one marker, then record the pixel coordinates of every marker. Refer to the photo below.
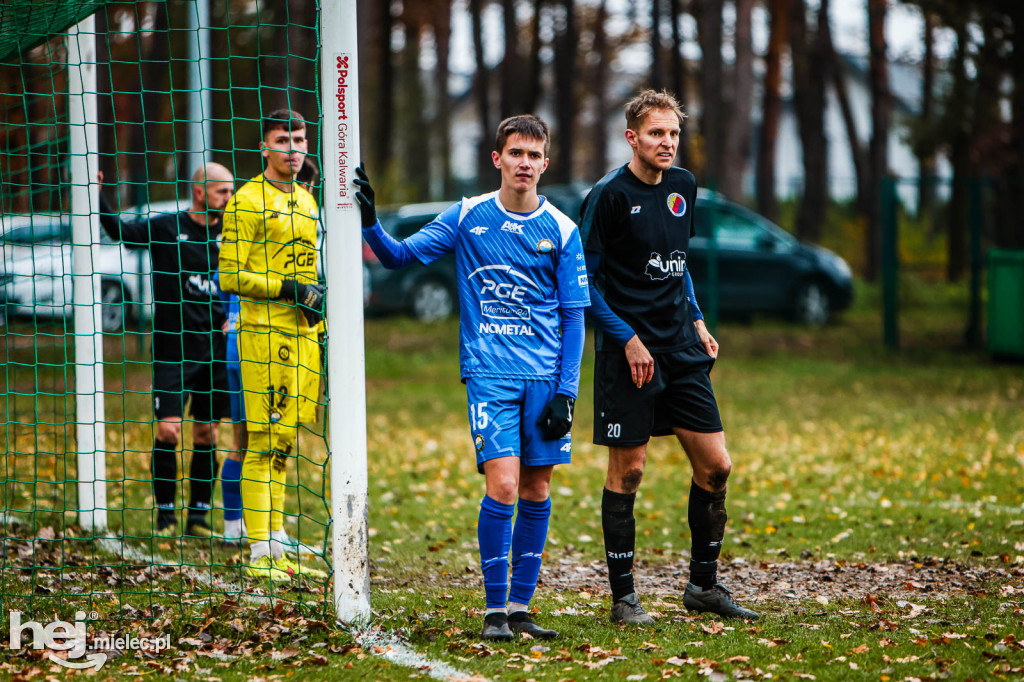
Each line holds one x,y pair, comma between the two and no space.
761,267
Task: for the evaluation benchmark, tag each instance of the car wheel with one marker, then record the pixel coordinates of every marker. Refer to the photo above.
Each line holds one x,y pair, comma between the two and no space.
811,305
112,310
431,301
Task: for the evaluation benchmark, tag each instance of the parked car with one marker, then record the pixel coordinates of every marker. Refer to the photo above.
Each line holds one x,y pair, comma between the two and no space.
761,267
35,269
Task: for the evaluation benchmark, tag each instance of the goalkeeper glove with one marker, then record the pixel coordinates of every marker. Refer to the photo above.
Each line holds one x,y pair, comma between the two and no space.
556,419
364,197
309,297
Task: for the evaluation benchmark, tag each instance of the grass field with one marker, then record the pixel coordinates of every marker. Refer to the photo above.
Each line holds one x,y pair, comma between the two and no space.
876,504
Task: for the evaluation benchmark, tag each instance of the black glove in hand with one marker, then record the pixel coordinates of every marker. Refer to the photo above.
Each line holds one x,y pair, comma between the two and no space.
309,297
556,419
364,197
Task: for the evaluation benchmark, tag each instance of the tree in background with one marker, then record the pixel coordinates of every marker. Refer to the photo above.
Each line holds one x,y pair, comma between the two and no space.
480,91
878,149
810,59
771,109
566,39
679,85
709,33
736,143
511,64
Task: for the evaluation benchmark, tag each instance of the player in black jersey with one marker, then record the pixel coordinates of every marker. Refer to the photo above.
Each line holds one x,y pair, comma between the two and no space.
188,339
654,354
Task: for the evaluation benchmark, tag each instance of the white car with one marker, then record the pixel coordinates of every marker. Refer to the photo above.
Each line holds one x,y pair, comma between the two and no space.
35,270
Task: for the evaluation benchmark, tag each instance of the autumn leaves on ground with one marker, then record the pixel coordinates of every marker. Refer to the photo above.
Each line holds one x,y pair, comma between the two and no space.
876,521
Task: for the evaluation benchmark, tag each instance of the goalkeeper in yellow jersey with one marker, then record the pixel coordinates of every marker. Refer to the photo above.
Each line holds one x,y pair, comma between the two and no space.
268,258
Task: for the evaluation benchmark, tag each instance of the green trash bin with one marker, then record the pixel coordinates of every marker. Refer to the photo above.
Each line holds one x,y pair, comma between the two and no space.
1006,303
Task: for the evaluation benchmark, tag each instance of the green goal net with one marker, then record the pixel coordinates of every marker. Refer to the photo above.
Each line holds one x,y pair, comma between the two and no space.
107,110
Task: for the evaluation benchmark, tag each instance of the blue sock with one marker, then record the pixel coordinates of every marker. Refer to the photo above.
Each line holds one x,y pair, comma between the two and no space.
231,488
528,540
494,533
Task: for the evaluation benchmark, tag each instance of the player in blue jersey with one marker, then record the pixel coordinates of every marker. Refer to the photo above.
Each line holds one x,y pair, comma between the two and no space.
522,284
652,370
231,470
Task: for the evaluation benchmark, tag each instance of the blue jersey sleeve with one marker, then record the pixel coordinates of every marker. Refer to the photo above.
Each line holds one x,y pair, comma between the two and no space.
573,335
602,314
573,287
695,312
436,238
391,253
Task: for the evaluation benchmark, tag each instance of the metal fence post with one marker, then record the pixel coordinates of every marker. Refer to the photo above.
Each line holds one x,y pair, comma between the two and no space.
975,222
890,265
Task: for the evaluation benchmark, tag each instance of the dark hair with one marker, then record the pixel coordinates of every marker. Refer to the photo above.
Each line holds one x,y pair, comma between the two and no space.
283,119
309,174
647,101
527,125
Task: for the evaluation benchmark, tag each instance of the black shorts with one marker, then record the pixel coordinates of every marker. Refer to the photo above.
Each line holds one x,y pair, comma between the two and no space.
678,396
204,378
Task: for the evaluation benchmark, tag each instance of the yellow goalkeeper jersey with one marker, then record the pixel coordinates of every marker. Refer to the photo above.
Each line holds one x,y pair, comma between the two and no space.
268,236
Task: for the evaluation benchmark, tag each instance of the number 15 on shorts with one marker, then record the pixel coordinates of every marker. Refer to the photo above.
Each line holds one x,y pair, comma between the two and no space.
478,418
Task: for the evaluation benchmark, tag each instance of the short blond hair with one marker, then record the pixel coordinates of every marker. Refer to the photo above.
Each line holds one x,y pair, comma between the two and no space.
647,101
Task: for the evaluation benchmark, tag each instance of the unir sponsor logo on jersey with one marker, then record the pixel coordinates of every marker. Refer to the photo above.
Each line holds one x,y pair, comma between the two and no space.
200,284
658,267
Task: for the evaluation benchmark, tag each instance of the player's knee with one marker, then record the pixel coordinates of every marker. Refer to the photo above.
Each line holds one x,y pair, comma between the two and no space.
504,489
718,476
168,432
631,479
202,434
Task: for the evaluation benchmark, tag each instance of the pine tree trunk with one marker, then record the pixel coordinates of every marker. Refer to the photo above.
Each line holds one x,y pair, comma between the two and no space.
709,33
565,102
679,81
736,145
767,201
879,148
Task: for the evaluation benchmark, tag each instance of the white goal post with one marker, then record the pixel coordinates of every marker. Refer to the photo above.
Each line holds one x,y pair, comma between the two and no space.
90,419
346,373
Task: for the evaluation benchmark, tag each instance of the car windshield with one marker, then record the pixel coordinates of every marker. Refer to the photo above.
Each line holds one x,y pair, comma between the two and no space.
39,231
737,227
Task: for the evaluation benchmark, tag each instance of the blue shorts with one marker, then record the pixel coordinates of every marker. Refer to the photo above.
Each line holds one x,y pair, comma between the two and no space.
235,380
503,416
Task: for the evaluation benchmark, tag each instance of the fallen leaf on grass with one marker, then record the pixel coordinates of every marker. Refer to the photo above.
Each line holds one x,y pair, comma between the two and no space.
283,655
771,643
714,628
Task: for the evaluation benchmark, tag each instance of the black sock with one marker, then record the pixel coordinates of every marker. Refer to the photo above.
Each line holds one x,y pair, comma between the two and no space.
204,462
619,540
165,476
706,516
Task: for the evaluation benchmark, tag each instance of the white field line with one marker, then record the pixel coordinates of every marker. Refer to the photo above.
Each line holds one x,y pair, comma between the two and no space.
391,647
397,651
